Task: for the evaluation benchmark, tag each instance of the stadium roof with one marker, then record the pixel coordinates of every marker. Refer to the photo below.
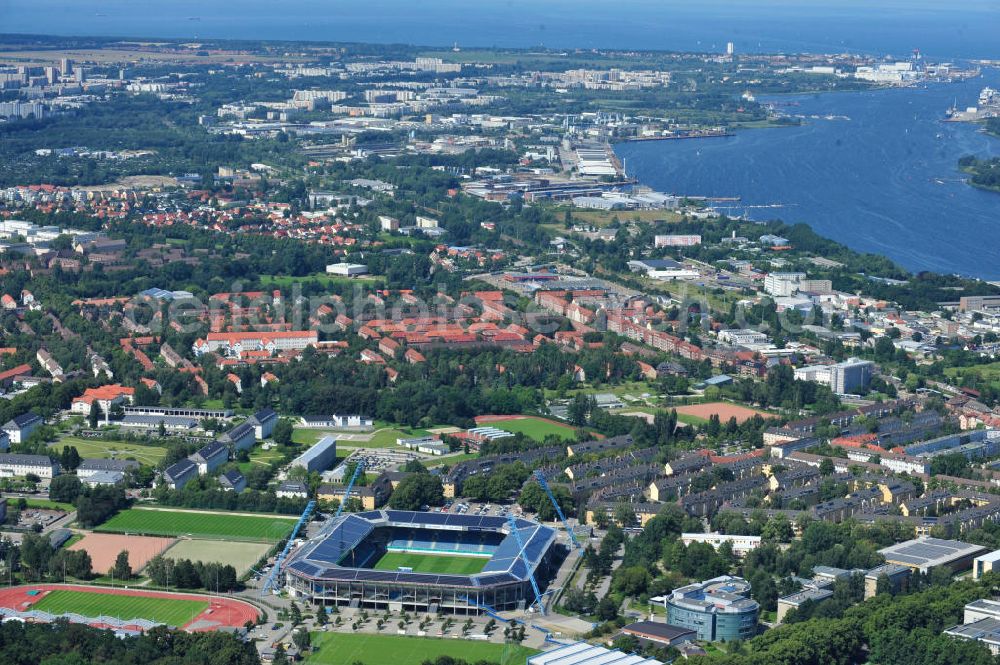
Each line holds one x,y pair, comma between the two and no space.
322,556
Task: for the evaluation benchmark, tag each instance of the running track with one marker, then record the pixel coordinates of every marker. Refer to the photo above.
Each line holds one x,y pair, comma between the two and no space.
221,612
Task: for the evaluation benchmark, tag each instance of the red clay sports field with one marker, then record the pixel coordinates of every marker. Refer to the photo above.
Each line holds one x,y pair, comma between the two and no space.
220,613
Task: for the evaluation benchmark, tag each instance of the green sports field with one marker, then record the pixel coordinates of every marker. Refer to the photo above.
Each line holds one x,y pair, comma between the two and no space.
111,449
535,428
169,611
339,648
197,524
442,564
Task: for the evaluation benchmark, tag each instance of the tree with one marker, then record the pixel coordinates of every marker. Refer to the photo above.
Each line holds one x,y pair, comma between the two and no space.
607,609
94,415
70,458
321,616
185,576
65,488
414,466
122,570
35,553
295,614
416,491
302,639
579,601
778,529
826,467
624,514
97,504
282,433
883,585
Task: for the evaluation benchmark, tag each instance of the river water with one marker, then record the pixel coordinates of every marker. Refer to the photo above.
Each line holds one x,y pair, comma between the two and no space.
874,170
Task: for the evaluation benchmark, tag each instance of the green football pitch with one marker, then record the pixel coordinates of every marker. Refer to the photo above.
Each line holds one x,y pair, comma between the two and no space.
218,526
339,648
163,610
442,564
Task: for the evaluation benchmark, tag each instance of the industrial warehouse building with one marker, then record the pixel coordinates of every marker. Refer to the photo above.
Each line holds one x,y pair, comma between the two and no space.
320,457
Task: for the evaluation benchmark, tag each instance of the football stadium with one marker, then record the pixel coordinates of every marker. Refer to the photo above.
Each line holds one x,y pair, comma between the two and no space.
423,562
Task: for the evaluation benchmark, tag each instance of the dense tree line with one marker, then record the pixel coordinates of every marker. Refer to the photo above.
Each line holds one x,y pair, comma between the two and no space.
983,173
95,505
63,643
187,574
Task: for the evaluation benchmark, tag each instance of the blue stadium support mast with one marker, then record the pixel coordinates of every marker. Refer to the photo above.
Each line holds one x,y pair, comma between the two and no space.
540,477
347,493
527,567
303,520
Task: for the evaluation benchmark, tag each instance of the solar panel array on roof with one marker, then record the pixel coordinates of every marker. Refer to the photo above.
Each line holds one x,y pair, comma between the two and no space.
582,653
926,552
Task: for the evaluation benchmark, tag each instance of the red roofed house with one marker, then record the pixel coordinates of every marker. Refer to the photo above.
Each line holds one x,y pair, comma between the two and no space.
9,376
368,357
106,397
388,346
152,384
233,344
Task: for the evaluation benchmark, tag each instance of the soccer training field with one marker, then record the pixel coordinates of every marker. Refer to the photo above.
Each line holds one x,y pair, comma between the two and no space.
221,526
432,563
173,612
339,648
533,428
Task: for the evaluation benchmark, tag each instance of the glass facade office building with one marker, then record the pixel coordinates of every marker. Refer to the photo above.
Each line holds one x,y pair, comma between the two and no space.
719,610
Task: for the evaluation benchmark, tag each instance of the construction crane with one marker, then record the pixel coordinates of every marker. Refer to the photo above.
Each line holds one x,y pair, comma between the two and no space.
347,493
303,520
527,566
540,477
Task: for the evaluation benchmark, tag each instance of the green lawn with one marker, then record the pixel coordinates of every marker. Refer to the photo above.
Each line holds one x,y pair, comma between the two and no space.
173,612
535,428
432,563
307,436
321,278
260,457
989,372
450,460
386,438
149,455
48,505
381,438
688,419
239,526
339,648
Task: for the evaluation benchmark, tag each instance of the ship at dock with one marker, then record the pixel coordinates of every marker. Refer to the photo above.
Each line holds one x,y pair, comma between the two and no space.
987,106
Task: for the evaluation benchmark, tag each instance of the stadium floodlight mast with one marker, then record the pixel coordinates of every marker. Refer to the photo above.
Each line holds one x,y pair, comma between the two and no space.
527,566
540,477
358,469
288,546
